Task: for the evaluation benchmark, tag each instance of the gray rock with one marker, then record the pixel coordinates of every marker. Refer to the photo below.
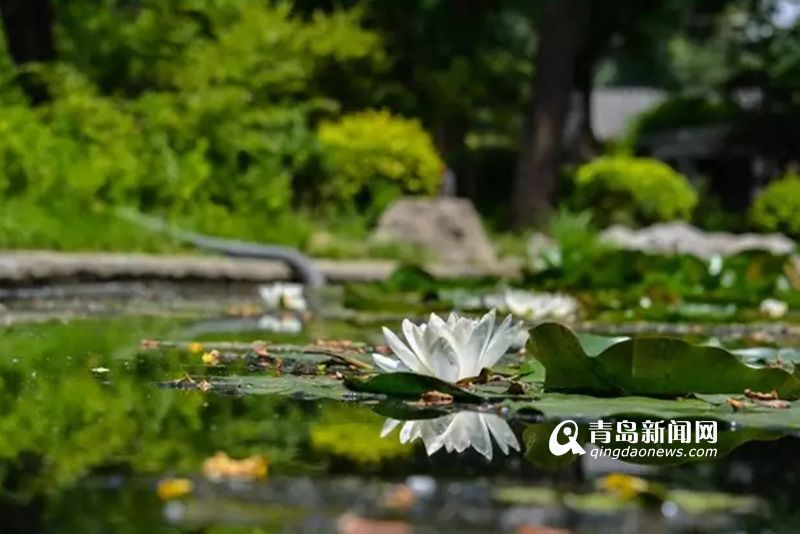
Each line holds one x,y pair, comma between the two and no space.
681,237
448,228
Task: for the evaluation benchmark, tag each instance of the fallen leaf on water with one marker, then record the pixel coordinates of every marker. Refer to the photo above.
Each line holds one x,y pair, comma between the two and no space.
334,343
174,488
773,403
149,344
540,529
185,379
205,385
211,357
434,398
195,347
401,497
517,388
244,311
221,466
353,524
755,395
626,486
736,404
260,348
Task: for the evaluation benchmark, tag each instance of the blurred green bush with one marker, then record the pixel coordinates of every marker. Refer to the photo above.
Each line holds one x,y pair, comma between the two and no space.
202,112
777,208
677,112
632,191
374,158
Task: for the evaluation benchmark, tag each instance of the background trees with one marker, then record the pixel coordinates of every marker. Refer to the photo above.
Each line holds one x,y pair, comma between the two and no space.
209,112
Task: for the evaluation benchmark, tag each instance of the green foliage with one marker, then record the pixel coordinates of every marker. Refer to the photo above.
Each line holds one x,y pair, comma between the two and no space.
650,366
678,112
188,109
633,191
777,208
375,157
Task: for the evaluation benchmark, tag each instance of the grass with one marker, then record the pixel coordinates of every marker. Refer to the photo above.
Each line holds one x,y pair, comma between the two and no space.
66,226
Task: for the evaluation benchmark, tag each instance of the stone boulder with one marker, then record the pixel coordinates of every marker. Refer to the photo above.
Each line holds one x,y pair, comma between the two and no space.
449,228
680,237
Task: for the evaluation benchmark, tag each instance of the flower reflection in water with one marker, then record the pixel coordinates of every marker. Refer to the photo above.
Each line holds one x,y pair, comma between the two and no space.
457,432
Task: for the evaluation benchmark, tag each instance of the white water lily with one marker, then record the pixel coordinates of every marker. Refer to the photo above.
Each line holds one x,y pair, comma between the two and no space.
457,432
283,296
449,350
534,306
773,308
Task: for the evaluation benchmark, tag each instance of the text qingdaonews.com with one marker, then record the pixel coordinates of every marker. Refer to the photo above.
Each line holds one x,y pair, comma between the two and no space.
655,452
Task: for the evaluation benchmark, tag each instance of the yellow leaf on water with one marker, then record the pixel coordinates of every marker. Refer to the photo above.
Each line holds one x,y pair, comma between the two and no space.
174,488
626,486
221,466
211,357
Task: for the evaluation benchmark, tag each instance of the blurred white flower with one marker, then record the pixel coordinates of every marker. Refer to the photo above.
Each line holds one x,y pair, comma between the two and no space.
457,432
452,350
773,308
283,296
284,324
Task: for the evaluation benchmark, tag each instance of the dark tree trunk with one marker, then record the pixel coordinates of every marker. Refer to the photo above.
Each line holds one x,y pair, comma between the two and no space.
28,25
560,36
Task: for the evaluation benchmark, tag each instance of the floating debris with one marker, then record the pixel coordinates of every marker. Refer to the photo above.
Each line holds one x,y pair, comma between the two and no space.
211,357
174,488
435,398
221,467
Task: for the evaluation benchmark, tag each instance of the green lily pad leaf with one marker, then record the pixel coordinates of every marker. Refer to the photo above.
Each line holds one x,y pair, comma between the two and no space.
536,437
408,385
585,408
306,387
650,366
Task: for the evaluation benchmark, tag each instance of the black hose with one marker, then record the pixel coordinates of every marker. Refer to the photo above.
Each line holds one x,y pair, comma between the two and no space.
300,264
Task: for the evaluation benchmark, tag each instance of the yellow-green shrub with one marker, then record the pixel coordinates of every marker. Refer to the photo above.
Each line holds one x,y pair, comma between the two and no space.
777,208
621,189
374,157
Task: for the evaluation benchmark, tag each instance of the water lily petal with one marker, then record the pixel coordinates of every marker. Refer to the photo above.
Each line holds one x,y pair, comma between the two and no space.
452,319
389,364
410,431
501,340
416,341
475,346
389,425
468,430
431,432
405,354
445,361
502,432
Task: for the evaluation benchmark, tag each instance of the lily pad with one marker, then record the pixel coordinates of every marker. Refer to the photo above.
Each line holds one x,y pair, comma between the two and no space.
585,409
650,366
536,437
409,385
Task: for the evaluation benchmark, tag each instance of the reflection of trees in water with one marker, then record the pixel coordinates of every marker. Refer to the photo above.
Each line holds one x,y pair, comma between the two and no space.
770,470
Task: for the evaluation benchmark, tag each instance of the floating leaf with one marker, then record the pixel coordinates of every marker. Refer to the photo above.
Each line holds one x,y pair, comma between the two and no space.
654,366
585,408
409,385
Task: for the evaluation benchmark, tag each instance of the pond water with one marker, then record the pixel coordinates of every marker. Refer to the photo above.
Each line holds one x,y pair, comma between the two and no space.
102,432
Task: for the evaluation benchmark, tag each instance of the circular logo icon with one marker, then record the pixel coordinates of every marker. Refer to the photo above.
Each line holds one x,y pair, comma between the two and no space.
570,430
